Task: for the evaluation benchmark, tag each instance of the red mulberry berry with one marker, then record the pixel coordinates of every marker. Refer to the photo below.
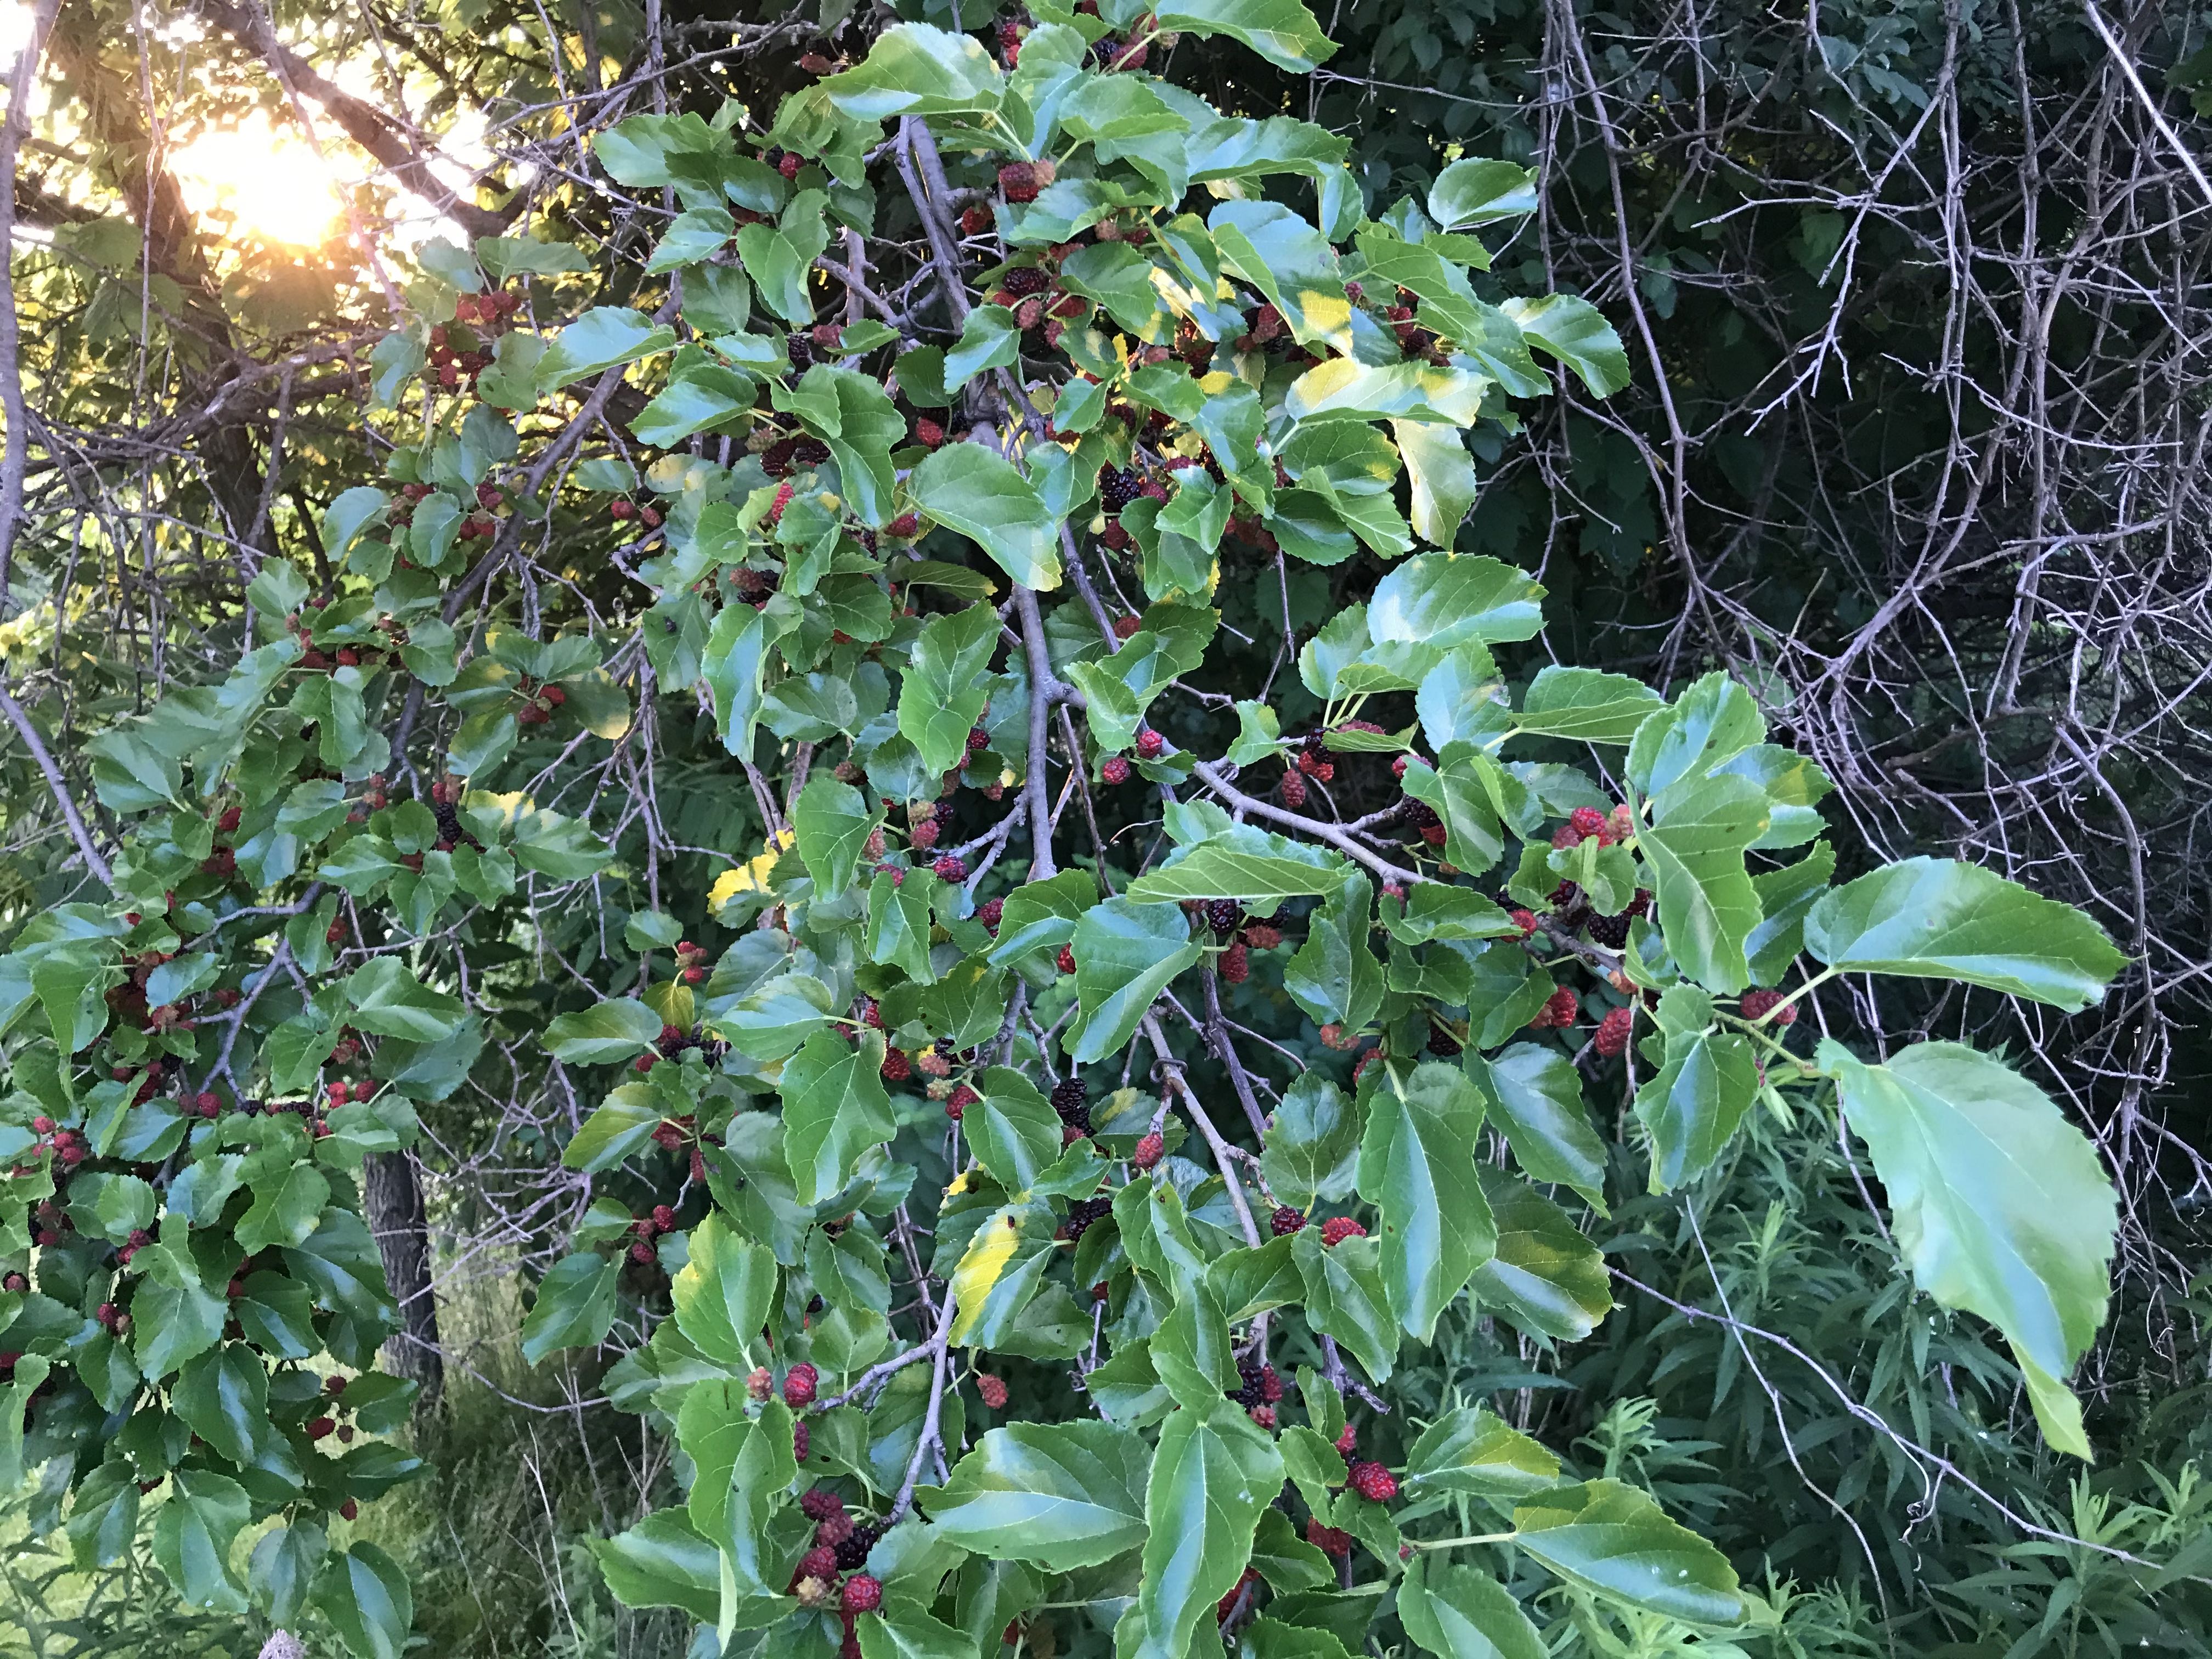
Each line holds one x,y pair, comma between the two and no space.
1329,1541
1293,788
820,1503
1149,1150
783,494
1526,921
989,912
928,433
1758,1005
896,1068
1286,1220
992,1390
349,1510
1613,1031
799,1441
1374,1483
862,1594
1337,1229
1115,770
1563,1009
1066,960
1017,180
974,221
1126,626
820,1562
1585,822
798,1384
1150,744
1346,1441
951,869
1235,964
319,1427
1263,1415
640,1254
834,1529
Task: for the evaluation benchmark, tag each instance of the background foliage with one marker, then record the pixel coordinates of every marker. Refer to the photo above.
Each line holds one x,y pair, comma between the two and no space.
1912,442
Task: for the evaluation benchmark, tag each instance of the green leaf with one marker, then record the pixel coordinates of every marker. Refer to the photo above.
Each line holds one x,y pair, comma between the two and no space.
1417,1167
1704,899
623,1123
915,69
192,1535
172,1318
2002,1206
1710,725
903,1631
603,338
1569,328
1281,31
1786,897
1245,864
899,924
1115,274
1536,1096
1058,1495
603,1033
977,492
1940,919
1310,1150
834,1108
691,236
1212,1475
663,1562
1474,1450
1616,1542
832,822
1694,1104
285,1210
575,1306
722,1294
1584,705
364,1593
1334,976
1126,954
1444,600
1013,1130
388,1001
1344,1297
1443,475
1291,263
943,691
1457,1612
1547,1277
223,1397
990,338
1474,192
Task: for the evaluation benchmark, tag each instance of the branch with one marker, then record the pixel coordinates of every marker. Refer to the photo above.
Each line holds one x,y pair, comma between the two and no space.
366,124
56,783
15,459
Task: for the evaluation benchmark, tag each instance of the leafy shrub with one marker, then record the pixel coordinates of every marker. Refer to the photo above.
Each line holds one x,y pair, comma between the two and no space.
1036,1218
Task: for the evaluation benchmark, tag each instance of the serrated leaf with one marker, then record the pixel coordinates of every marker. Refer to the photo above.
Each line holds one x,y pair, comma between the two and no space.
2002,1206
834,1108
1547,1277
1417,1166
1940,919
1615,1541
1058,1495
1126,954
977,492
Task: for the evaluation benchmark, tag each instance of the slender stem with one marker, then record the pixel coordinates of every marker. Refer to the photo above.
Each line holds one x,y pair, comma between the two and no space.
58,785
1456,1543
1222,1158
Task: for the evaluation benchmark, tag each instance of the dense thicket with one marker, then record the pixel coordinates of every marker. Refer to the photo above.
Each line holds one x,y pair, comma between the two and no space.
1912,297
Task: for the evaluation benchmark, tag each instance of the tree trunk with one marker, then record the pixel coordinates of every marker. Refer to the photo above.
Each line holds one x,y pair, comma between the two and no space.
392,1196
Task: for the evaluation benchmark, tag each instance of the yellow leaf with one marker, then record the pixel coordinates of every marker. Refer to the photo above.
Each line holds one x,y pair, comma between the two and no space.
981,1268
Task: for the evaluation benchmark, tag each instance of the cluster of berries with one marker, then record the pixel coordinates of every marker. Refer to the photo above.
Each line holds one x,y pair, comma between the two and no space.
534,703
661,1218
463,348
1586,821
690,963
